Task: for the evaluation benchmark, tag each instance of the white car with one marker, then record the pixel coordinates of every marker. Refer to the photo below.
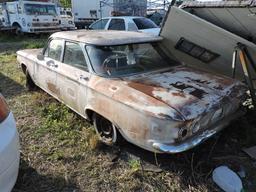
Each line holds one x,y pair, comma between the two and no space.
9,148
126,23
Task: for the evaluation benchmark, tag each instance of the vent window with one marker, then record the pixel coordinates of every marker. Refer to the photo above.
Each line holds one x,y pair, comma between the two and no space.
196,51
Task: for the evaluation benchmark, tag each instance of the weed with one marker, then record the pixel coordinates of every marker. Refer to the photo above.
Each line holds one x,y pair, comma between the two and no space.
134,164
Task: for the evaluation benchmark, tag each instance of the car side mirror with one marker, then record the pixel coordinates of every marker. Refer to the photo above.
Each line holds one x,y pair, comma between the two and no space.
40,57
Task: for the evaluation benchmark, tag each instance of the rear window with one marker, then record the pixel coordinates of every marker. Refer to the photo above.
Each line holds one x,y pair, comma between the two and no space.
144,23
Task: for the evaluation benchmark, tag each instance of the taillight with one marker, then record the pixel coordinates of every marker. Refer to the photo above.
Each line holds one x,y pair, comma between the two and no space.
4,110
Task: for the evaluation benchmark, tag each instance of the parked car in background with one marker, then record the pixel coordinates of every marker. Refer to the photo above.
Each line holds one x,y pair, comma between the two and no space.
126,23
87,11
9,148
127,84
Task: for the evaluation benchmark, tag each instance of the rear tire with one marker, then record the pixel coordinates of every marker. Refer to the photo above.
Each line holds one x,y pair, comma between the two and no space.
106,130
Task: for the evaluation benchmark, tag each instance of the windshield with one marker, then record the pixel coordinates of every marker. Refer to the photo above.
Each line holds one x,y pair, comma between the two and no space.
37,9
126,60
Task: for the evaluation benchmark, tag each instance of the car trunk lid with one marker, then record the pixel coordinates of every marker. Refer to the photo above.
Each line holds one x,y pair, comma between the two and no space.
189,91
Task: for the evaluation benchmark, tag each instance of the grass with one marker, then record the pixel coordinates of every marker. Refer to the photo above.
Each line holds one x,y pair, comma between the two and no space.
60,151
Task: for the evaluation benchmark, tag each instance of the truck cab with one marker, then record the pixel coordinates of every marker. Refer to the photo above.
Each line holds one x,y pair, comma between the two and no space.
4,22
32,16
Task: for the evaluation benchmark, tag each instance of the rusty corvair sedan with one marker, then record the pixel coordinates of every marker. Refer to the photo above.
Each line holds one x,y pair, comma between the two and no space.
129,86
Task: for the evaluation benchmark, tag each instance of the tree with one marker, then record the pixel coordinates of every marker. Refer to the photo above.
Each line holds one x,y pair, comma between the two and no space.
65,3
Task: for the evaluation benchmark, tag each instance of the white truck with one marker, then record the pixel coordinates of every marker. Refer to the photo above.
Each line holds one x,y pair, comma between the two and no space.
26,16
88,11
66,18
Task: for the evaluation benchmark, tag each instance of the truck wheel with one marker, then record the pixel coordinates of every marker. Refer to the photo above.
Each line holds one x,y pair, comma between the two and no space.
107,132
30,85
18,30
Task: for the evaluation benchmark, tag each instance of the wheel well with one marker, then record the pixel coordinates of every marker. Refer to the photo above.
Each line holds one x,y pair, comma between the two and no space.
24,68
89,114
15,24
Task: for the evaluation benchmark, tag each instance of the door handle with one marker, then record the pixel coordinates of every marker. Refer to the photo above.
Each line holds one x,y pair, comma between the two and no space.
81,77
51,64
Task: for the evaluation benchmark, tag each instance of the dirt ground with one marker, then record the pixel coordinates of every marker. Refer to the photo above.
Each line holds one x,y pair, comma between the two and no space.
60,151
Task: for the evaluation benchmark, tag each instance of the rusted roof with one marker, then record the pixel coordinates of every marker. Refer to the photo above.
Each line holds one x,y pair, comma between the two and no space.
105,38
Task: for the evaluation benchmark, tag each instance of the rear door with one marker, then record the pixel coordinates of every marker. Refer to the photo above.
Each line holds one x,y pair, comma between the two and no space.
73,76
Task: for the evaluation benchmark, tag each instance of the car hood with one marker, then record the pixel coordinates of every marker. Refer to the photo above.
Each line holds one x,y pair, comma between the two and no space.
190,92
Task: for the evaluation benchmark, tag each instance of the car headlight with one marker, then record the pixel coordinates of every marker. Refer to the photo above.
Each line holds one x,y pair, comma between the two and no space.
23,22
183,133
4,110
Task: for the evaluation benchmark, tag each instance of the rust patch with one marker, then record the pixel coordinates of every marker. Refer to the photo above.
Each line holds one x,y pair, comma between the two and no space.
53,88
199,93
179,94
142,87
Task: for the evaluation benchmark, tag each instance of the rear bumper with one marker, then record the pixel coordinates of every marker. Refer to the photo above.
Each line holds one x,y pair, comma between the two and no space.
68,28
44,30
9,154
197,139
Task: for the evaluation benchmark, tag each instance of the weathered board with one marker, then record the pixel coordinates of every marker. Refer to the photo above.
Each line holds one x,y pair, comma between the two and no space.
180,24
238,17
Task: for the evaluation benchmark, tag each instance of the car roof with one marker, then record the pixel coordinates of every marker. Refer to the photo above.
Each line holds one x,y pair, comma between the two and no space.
123,17
107,37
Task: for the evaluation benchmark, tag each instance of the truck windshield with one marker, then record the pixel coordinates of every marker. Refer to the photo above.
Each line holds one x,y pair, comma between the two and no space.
37,9
126,60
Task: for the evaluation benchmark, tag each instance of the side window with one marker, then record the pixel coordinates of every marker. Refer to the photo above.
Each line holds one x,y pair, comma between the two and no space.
11,9
73,55
1,9
54,49
117,24
99,24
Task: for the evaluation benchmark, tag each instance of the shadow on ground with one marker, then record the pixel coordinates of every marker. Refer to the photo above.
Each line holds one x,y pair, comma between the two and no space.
30,180
14,88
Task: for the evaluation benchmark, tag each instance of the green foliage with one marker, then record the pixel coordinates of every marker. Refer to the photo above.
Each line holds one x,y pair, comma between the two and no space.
134,164
65,3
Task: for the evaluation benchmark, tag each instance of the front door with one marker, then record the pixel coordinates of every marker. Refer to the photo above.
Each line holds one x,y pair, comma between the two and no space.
46,70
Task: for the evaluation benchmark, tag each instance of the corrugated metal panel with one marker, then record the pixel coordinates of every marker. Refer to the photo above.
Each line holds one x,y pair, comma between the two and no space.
238,17
181,24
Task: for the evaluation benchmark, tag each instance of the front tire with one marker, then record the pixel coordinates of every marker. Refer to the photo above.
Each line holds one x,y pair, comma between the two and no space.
106,130
18,30
30,85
